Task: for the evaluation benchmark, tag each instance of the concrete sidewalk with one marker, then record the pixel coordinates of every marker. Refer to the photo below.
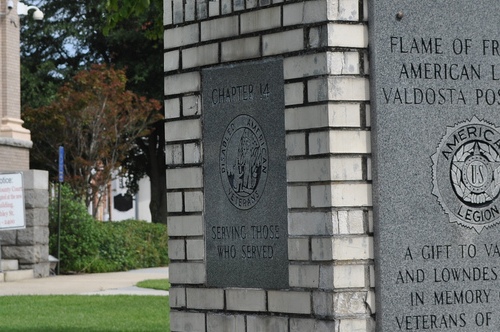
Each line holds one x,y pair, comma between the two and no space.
115,283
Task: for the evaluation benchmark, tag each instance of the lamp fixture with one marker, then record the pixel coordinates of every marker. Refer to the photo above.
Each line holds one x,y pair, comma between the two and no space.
10,5
22,9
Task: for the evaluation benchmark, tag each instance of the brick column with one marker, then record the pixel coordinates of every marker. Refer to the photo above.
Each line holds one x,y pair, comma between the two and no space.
14,139
323,44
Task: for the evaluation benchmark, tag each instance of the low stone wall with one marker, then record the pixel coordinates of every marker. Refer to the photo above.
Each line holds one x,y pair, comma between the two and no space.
30,246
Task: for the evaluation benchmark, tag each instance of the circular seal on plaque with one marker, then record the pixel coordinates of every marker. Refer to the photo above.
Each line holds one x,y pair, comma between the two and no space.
466,174
243,162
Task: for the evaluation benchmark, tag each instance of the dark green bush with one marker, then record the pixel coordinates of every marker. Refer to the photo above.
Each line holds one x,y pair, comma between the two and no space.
93,246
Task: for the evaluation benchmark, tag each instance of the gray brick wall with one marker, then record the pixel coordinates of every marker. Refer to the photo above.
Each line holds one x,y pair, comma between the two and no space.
327,119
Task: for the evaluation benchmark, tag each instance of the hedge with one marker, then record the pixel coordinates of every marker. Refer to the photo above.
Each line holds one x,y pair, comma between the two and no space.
91,246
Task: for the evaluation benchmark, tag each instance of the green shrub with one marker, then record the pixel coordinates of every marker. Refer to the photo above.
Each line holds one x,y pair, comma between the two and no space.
92,246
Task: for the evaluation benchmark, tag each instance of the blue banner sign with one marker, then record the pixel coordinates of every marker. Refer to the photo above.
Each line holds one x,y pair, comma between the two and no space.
61,164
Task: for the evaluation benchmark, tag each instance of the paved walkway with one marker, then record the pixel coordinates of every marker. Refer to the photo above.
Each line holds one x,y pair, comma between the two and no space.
115,283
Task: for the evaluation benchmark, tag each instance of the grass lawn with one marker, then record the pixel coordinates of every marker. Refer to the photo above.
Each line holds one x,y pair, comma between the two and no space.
79,313
160,284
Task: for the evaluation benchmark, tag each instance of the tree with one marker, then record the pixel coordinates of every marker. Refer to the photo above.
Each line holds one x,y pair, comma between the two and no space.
98,120
72,38
122,10
148,156
68,38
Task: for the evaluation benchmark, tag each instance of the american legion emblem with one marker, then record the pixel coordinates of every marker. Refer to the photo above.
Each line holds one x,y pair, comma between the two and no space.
243,162
466,174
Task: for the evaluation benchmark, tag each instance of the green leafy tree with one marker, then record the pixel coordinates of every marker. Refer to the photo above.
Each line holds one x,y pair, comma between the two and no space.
141,28
72,38
122,10
98,120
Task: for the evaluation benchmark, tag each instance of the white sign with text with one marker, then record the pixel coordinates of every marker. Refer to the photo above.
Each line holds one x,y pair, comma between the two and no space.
12,213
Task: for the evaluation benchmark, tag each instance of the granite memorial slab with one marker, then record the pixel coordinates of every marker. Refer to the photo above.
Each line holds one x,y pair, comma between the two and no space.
435,95
244,173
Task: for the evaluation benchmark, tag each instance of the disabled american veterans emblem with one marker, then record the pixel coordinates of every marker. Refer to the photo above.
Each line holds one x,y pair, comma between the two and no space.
466,174
243,162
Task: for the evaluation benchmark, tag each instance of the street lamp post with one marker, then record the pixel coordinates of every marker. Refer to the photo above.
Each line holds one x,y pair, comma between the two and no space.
23,9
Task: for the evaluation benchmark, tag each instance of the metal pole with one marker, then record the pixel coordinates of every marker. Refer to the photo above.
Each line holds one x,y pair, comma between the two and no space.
59,228
61,180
